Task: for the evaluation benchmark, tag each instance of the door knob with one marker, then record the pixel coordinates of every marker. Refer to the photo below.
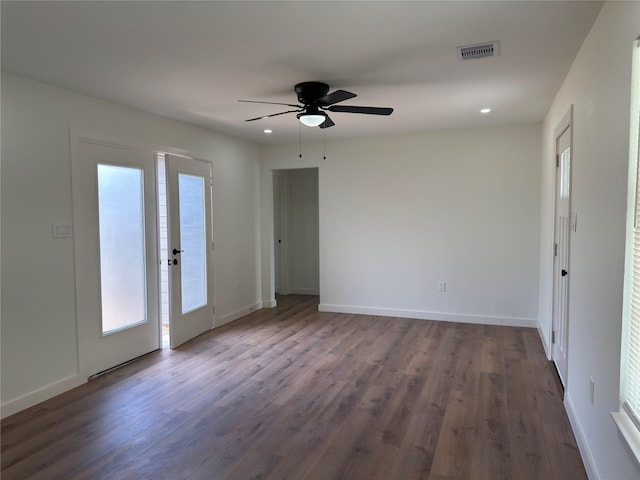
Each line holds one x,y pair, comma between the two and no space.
176,251
563,272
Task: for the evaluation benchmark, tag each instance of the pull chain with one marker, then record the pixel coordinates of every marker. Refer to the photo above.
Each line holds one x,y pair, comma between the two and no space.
324,144
300,139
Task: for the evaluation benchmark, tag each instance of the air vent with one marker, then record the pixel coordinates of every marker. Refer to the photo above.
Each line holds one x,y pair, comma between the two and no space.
480,50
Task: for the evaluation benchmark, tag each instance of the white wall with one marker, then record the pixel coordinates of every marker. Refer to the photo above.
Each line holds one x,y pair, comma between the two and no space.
399,212
598,85
39,346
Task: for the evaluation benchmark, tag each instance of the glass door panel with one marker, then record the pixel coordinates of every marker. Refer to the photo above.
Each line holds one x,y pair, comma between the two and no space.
192,241
122,247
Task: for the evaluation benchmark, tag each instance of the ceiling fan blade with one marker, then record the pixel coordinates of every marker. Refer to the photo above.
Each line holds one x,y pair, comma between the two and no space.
272,115
327,123
335,97
365,110
271,103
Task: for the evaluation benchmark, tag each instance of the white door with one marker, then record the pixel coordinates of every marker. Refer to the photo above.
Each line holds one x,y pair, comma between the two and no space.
561,253
279,231
116,254
190,248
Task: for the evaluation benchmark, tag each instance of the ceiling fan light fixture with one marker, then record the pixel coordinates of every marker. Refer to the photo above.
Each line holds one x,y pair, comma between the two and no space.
312,119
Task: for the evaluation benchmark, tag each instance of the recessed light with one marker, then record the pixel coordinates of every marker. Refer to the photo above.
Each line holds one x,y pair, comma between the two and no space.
268,130
485,110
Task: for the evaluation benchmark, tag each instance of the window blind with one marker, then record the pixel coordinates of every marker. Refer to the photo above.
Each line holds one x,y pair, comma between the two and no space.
630,353
631,327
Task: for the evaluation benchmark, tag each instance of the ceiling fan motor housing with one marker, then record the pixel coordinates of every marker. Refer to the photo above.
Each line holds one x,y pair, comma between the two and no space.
310,92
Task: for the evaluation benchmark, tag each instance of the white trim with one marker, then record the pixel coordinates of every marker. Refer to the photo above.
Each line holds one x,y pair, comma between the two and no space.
40,395
629,434
269,303
426,315
92,136
581,440
627,430
230,317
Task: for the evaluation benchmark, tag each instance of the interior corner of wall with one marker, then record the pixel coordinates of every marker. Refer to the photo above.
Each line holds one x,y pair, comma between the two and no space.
544,340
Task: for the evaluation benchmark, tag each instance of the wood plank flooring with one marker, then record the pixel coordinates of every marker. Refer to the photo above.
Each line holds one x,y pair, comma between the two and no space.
291,393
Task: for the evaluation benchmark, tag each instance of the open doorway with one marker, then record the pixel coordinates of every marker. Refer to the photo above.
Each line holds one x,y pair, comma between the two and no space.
296,231
164,250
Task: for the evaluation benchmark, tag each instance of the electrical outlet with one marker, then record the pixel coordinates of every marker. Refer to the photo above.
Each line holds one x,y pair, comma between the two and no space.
592,390
441,286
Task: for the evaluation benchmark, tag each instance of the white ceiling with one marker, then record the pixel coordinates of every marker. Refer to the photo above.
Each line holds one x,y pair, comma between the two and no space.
192,61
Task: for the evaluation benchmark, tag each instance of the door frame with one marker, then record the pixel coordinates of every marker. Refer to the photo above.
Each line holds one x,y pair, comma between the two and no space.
286,229
566,124
76,137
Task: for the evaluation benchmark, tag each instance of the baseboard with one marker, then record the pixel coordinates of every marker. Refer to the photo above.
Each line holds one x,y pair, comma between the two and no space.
303,291
543,340
230,317
425,315
269,303
45,393
581,440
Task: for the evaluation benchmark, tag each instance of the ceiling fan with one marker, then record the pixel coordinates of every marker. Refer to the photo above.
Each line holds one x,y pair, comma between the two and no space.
315,101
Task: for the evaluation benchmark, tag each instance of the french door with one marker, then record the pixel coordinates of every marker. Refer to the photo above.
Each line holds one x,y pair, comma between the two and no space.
116,254
189,248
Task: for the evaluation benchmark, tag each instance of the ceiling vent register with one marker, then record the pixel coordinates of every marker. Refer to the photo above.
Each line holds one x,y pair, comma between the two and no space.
481,50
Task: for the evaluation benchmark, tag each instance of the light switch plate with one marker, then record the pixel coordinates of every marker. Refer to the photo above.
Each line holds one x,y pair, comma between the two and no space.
62,229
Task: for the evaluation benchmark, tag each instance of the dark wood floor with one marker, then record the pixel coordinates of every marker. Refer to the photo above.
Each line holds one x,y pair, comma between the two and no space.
290,393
